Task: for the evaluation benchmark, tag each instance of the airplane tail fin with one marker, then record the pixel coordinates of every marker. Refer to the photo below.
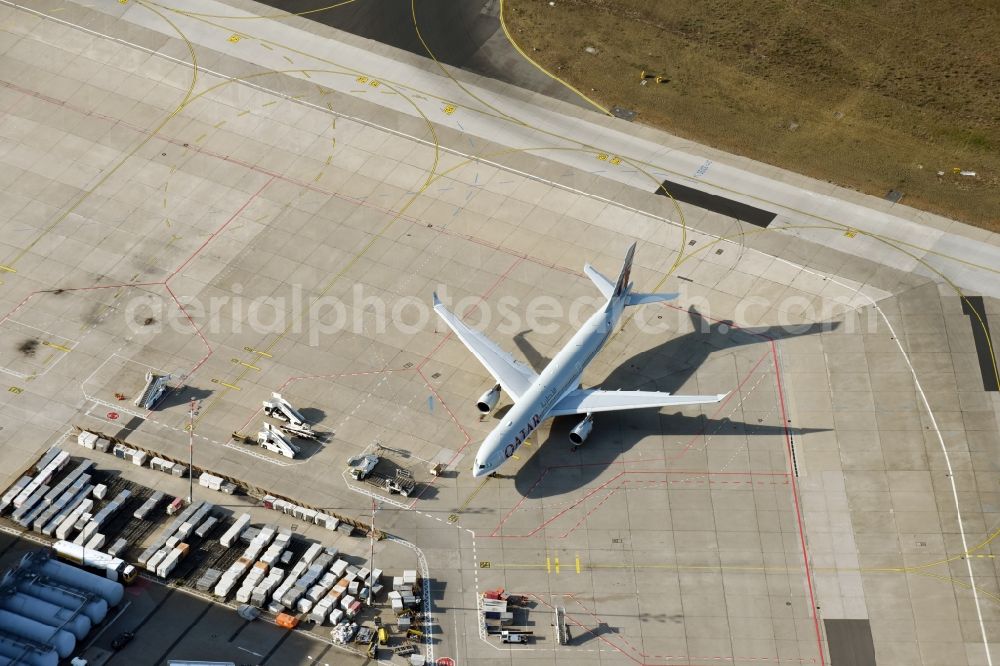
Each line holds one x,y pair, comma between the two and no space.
623,284
621,289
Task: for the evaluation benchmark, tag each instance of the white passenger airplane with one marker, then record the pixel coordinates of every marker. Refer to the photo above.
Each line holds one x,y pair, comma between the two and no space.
557,391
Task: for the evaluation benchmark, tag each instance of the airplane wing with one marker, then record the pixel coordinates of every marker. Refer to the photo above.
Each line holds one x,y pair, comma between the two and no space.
514,377
584,401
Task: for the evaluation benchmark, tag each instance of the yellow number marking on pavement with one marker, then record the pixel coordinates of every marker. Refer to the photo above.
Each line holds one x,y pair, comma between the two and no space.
222,383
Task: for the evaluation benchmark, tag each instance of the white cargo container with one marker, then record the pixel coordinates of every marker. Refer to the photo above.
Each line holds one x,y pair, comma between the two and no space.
338,568
243,594
225,585
89,530
319,614
166,566
95,542
235,530
155,560
66,527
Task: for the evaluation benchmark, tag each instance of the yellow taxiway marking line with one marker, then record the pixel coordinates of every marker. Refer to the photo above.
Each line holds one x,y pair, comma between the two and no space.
55,346
247,365
473,494
557,565
548,564
578,564
7,269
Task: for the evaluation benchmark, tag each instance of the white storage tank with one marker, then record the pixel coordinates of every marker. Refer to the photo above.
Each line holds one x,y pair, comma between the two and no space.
18,626
46,613
109,590
23,655
96,608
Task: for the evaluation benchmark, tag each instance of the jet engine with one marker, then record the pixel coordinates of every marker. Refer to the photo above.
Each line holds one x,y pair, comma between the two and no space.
488,401
581,431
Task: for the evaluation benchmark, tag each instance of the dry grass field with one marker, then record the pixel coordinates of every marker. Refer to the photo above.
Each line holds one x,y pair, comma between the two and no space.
869,94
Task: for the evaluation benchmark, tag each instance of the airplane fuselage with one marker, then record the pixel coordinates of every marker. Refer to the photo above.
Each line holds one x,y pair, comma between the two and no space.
559,377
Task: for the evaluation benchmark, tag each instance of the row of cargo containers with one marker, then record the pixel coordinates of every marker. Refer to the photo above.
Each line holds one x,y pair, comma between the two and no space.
88,530
241,566
277,550
59,505
258,572
15,490
167,467
312,552
47,458
232,535
405,583
310,555
52,504
30,492
259,543
71,480
302,583
111,507
264,589
213,482
174,533
354,583
348,606
262,579
69,523
164,561
208,580
92,441
118,548
135,456
302,513
401,600
65,519
149,505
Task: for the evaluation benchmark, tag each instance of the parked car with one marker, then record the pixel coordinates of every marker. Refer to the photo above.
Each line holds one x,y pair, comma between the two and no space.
122,639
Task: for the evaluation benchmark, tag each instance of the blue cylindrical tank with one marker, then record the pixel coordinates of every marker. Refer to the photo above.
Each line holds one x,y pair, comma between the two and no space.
18,626
96,608
46,613
111,591
20,654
